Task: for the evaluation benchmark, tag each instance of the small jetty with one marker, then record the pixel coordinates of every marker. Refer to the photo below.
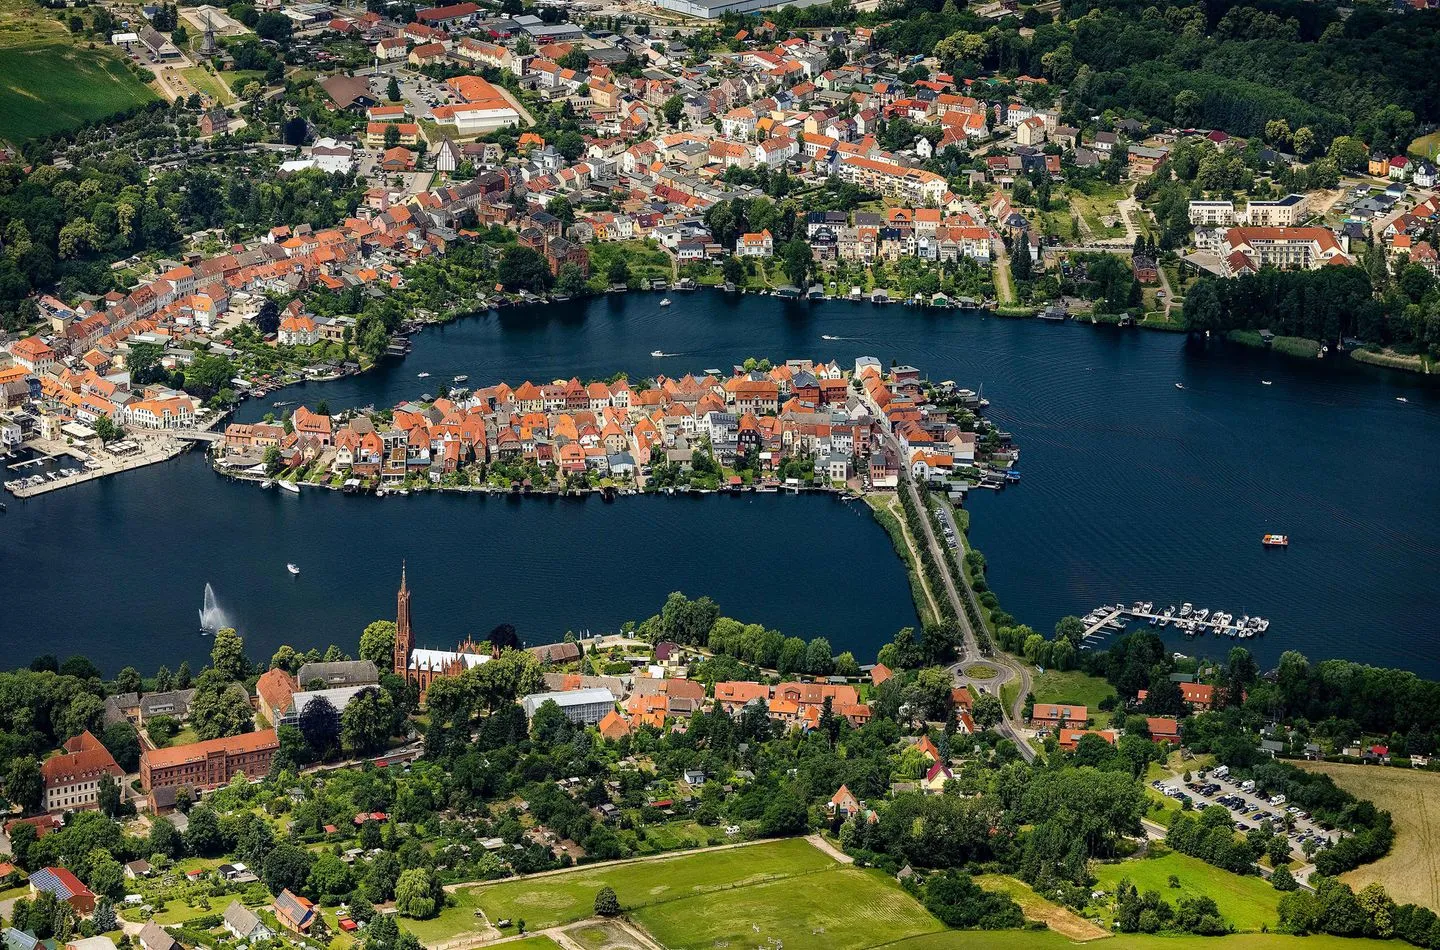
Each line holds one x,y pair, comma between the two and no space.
1189,620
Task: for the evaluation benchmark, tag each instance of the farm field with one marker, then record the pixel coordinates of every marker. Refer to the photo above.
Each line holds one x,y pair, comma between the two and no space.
564,898
50,82
1248,903
1045,940
844,908
1411,871
1057,918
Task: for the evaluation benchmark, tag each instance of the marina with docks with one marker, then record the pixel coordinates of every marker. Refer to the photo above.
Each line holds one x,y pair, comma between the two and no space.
1188,619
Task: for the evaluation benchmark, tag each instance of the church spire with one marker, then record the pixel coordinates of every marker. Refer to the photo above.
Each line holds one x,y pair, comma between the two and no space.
404,636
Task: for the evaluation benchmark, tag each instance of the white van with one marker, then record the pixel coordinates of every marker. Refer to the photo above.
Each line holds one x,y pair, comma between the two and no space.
1277,800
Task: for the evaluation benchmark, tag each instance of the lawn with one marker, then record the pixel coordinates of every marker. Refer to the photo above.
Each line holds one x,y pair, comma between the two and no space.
645,259
1073,686
1097,202
1057,918
49,82
563,898
844,907
209,84
1246,902
1411,871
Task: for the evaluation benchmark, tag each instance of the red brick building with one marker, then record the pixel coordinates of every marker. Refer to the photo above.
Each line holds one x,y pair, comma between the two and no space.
208,764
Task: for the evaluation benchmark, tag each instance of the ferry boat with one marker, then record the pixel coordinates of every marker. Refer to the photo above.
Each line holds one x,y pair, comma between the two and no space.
292,568
1275,541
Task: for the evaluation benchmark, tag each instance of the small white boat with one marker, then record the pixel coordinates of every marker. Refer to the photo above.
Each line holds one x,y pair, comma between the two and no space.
1266,382
1401,399
1179,385
657,353
665,302
291,487
422,375
460,379
267,483
826,336
292,568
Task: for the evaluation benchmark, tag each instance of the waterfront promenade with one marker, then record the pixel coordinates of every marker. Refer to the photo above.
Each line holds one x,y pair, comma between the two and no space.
152,447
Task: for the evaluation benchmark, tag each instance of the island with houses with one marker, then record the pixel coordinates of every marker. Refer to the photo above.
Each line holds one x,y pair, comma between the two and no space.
797,424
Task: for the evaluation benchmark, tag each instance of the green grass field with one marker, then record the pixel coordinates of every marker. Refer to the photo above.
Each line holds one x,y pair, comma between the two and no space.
1426,146
49,82
1246,902
1045,940
840,908
564,898
1072,686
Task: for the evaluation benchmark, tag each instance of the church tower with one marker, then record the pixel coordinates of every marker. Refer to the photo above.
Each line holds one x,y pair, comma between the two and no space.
404,636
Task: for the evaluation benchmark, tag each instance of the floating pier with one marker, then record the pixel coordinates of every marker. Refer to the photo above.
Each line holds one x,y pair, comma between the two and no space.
1192,622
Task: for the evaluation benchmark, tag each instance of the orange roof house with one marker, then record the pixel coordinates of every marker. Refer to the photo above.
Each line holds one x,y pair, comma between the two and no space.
614,726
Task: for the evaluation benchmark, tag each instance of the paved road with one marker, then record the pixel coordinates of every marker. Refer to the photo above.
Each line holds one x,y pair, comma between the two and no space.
1011,667
1007,726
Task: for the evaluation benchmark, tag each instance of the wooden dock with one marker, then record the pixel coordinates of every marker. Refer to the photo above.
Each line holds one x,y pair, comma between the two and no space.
1183,625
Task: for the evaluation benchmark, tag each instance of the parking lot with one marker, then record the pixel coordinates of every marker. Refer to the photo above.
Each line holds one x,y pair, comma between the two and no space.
1249,809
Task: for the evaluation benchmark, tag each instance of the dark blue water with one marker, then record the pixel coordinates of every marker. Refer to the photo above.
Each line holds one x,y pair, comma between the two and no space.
1131,489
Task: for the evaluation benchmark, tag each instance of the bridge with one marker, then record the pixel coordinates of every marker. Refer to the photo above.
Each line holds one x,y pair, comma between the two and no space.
196,435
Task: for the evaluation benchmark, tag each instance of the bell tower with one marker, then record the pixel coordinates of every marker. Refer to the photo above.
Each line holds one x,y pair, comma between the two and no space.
404,636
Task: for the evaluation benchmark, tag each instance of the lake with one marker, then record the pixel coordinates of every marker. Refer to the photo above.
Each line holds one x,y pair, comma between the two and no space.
1132,489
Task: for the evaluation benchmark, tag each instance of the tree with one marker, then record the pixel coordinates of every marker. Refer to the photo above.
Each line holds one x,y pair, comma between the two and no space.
988,710
106,877
163,839
522,268
571,280
128,680
108,795
320,724
1020,263
673,108
123,744
107,430
368,721
785,815
607,904
795,259
392,90
219,708
1283,880
377,643
618,272
203,837
417,894
227,655
104,919
329,878
267,319
1347,153
23,784
287,866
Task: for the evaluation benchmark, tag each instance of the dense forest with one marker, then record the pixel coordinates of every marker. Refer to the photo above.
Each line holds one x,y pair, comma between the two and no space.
1215,65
